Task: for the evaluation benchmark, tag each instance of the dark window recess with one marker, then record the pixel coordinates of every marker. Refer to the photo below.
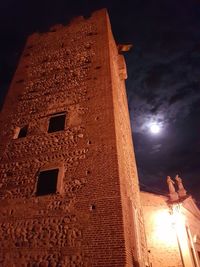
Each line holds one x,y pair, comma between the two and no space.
91,33
23,132
57,123
47,182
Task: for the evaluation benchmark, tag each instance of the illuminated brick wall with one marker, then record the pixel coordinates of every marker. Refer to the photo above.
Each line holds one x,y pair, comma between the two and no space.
171,233
161,237
62,121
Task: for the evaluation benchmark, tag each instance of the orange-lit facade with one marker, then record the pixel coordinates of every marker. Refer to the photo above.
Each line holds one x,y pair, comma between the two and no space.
172,231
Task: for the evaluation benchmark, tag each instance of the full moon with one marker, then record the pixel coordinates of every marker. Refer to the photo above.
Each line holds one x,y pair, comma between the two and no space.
154,128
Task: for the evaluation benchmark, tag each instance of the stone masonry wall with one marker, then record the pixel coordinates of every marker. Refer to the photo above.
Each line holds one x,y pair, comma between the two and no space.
64,70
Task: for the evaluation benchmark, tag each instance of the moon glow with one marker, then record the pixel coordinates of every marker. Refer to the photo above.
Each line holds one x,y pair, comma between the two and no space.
154,128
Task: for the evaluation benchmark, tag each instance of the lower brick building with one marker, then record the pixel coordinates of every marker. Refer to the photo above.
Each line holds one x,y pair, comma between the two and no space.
172,226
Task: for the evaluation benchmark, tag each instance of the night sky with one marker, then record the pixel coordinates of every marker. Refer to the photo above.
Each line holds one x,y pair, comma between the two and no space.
163,83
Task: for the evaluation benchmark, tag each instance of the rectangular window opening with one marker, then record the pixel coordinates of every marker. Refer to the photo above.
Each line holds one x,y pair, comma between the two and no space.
20,132
57,123
47,182
23,132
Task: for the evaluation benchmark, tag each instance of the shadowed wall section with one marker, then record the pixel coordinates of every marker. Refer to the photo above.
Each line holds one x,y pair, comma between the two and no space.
134,231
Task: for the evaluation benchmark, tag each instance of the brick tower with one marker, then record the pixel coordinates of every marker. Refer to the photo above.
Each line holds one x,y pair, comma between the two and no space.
69,188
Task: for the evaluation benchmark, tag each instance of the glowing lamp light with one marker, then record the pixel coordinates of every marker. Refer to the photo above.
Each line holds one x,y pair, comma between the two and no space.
171,232
167,226
164,232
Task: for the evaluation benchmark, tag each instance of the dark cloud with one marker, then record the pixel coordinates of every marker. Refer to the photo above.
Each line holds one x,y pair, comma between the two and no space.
190,90
164,86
